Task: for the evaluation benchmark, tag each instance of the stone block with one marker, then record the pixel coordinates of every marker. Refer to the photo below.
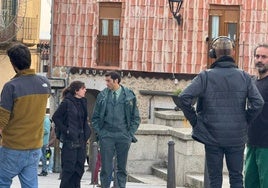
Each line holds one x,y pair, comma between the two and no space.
162,146
141,166
169,118
145,149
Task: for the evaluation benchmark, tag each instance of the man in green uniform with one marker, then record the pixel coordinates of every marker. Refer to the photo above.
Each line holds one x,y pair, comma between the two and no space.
115,120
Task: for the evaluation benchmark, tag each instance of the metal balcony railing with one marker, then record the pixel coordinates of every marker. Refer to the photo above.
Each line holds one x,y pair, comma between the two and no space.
27,30
108,50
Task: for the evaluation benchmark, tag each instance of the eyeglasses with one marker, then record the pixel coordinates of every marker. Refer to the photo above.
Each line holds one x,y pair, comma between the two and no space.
257,56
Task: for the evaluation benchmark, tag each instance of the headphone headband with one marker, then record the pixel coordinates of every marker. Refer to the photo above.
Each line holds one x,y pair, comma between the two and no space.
221,37
212,51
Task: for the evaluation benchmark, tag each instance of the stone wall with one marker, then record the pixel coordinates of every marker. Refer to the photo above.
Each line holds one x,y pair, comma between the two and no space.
152,149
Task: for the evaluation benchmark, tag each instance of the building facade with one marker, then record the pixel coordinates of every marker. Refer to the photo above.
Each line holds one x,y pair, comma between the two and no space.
19,21
142,40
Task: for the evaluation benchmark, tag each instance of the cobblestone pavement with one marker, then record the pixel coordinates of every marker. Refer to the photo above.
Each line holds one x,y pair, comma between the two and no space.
52,181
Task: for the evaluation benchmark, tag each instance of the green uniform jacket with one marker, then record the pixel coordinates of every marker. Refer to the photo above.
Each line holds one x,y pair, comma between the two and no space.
131,111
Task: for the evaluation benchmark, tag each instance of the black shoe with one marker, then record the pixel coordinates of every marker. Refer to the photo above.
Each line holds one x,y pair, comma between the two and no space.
43,173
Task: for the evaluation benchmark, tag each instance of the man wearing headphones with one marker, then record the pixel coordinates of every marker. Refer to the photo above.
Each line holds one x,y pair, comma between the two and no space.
220,119
256,165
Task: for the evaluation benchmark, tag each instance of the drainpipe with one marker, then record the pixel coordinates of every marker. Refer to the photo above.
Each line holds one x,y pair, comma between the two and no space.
243,53
51,40
56,96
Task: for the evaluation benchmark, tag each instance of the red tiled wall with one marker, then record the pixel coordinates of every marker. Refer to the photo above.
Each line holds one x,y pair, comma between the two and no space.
151,39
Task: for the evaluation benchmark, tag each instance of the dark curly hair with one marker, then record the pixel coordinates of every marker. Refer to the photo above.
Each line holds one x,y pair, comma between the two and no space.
73,87
20,56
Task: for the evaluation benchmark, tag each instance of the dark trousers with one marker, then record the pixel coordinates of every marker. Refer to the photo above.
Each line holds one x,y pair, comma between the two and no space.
110,147
70,180
72,163
234,160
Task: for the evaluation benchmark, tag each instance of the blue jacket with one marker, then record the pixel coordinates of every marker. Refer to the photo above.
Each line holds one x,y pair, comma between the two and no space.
46,130
131,111
222,115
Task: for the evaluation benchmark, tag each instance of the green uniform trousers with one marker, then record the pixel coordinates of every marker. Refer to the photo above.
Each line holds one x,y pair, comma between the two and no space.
114,144
256,167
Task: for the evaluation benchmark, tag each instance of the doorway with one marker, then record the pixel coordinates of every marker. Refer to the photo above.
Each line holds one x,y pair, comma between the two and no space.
224,21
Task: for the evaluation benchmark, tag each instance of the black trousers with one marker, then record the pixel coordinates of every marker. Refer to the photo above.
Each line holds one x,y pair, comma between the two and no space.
72,163
234,160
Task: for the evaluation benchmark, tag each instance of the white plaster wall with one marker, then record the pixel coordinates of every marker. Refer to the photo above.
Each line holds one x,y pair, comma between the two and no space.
6,70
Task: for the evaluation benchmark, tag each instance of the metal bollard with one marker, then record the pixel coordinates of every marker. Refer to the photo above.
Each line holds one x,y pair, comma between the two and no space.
57,157
171,181
94,160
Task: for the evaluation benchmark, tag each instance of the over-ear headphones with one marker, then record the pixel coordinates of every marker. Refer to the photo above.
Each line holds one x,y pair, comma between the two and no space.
212,51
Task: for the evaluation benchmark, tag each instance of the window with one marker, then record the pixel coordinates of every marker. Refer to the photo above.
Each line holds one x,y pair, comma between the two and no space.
215,23
116,27
224,21
104,27
109,34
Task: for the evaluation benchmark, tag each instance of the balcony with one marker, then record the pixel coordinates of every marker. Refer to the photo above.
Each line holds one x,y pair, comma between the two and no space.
23,29
108,50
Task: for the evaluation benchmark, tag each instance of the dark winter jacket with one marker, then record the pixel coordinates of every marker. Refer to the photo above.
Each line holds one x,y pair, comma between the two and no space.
221,117
71,119
131,111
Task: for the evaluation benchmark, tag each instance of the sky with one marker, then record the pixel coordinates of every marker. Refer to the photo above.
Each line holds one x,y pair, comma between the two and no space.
45,19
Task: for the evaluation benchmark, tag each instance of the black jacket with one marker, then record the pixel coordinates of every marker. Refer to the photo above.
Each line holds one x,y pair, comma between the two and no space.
221,117
258,129
71,119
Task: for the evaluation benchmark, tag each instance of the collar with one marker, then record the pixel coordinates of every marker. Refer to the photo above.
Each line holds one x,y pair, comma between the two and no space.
118,91
25,72
224,62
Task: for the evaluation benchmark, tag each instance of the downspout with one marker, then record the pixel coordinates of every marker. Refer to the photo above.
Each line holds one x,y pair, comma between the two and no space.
243,53
51,39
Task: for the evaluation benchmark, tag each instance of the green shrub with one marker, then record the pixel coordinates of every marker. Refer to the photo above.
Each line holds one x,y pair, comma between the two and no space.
177,92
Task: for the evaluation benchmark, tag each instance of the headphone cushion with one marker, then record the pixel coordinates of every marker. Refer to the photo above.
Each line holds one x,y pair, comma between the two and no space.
212,53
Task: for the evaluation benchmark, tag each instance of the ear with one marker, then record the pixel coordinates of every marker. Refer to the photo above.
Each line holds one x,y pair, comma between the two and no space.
116,80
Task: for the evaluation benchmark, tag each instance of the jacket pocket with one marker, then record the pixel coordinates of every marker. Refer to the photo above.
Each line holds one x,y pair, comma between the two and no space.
201,134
